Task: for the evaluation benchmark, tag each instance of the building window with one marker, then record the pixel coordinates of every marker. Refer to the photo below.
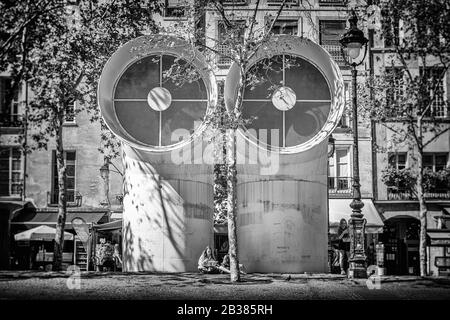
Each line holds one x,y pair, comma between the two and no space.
397,160
391,27
286,26
9,104
395,92
175,9
330,33
339,179
345,121
70,160
435,77
223,60
69,114
10,171
435,161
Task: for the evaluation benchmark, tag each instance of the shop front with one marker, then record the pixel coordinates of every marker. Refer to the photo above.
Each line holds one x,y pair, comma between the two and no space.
401,244
401,238
438,251
32,238
339,209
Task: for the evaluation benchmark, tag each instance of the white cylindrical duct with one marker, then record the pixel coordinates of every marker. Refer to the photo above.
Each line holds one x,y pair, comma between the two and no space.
167,218
167,206
296,98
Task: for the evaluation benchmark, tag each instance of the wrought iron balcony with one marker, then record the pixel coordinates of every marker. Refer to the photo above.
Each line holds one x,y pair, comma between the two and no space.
340,186
333,2
335,51
9,120
278,2
222,60
74,198
395,193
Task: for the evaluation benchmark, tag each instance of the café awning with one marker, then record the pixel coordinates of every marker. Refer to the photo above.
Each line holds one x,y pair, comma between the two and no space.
110,226
41,233
340,209
439,237
50,218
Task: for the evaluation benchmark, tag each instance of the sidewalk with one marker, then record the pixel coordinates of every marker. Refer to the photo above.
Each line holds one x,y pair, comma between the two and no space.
194,286
264,277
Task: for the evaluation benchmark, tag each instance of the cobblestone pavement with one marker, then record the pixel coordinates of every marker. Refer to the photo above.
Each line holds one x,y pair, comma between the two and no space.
102,285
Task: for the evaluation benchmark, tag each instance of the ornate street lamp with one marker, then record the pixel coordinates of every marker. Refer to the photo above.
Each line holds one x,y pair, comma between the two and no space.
331,146
351,44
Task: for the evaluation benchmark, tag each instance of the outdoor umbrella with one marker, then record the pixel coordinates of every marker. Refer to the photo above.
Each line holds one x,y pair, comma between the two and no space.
41,233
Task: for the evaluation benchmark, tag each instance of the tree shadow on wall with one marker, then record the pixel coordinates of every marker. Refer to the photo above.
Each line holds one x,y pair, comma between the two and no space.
162,209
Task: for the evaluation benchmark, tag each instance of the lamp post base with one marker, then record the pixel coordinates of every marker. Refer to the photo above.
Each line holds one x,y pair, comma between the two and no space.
357,270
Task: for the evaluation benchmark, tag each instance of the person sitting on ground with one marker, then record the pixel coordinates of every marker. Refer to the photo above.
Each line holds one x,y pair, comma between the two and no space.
207,263
225,265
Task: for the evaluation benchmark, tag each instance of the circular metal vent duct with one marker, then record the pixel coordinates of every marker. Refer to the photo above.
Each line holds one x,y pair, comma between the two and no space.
294,93
143,105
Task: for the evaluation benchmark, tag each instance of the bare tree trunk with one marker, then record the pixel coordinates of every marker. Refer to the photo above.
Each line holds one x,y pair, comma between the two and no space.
62,200
232,205
220,169
422,217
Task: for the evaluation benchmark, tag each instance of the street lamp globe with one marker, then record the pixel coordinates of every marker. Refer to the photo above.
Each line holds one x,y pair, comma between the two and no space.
353,40
353,50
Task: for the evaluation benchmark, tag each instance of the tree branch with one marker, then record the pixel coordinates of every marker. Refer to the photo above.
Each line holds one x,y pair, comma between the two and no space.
437,135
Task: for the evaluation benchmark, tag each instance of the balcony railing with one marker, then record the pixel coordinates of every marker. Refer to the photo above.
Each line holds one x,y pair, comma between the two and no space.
11,120
222,60
332,2
335,51
11,188
278,2
74,198
340,186
235,2
395,193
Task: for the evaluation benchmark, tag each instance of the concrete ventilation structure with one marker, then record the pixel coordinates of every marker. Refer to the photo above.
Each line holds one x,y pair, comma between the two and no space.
167,215
282,180
282,212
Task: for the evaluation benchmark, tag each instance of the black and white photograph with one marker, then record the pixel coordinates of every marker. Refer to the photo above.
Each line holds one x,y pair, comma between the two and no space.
224,157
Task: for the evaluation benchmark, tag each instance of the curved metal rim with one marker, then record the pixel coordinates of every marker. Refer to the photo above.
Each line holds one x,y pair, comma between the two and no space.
130,53
293,47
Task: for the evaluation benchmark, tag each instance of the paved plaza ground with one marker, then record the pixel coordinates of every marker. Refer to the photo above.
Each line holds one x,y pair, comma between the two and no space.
104,285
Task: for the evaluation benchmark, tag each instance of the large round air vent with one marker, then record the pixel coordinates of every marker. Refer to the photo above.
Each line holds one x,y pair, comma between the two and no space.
145,106
295,95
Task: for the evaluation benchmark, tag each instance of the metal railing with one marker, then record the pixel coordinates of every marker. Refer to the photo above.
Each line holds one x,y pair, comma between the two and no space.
74,198
340,185
278,2
394,193
235,2
335,51
333,2
222,60
9,120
